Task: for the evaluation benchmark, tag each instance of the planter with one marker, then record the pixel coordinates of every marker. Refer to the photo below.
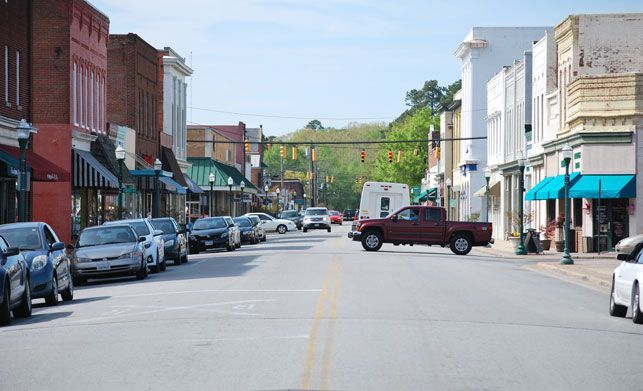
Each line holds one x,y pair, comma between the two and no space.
546,244
560,246
514,240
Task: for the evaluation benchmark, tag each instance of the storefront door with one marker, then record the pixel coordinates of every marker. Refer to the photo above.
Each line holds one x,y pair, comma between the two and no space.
611,222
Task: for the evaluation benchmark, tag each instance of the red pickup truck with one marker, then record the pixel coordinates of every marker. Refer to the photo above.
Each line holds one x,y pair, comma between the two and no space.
421,225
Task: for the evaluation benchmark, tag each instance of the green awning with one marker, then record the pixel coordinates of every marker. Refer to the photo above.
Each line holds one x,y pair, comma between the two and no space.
202,167
612,186
551,188
429,194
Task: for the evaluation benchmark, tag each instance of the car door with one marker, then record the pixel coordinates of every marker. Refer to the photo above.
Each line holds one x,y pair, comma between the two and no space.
405,226
57,257
267,222
14,269
433,226
625,278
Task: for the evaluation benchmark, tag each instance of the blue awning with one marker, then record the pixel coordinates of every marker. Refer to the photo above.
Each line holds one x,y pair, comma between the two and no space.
612,186
551,188
171,185
192,186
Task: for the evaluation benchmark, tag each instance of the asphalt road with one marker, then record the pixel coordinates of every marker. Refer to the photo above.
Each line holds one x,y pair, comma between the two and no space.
314,311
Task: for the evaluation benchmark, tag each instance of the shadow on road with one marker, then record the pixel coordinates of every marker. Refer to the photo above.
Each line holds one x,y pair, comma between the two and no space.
39,318
272,249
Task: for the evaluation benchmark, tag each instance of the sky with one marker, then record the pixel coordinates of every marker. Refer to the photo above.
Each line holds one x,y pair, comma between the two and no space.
282,63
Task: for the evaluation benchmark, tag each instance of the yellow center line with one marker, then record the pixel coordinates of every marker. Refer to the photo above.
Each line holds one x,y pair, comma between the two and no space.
330,335
319,312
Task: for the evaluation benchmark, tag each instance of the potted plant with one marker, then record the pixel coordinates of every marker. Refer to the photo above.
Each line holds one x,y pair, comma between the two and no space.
548,233
559,224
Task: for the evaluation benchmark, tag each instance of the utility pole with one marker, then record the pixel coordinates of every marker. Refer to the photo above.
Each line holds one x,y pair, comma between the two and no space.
313,186
281,178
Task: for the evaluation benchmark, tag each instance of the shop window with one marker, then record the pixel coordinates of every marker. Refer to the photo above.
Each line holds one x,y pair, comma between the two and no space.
577,212
551,210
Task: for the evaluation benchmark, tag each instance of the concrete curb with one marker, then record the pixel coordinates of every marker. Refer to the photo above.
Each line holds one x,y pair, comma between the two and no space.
569,270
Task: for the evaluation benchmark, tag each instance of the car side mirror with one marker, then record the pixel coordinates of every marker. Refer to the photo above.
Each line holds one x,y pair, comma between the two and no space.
10,252
622,257
158,232
141,239
58,246
394,218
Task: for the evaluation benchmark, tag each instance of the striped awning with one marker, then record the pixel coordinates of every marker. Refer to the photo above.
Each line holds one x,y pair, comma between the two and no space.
89,172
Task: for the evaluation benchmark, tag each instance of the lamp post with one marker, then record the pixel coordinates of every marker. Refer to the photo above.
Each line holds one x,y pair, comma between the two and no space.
521,189
23,130
242,186
265,189
448,205
278,191
487,176
567,157
120,157
304,200
230,183
211,179
156,202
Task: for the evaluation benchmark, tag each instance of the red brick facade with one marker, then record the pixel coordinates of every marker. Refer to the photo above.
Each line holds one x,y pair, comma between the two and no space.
15,58
133,91
69,48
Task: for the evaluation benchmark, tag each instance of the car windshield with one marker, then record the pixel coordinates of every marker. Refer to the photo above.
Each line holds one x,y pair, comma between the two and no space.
164,225
333,213
243,222
255,220
210,224
349,212
316,212
25,238
289,213
106,235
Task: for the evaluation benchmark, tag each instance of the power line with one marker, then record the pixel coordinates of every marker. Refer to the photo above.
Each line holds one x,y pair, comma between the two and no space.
294,117
420,141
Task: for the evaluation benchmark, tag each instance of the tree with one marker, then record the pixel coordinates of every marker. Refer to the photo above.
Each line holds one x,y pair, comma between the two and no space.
314,125
447,99
428,96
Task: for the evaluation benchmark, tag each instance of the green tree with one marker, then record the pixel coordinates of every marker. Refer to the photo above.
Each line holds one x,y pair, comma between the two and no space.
314,124
447,99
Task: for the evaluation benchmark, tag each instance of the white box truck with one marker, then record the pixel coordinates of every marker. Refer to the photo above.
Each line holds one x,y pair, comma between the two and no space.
379,199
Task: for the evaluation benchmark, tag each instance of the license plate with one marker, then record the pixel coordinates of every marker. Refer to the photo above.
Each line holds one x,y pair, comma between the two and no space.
209,242
101,267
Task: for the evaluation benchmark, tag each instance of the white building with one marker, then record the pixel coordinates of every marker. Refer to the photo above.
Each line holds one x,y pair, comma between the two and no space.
483,51
175,70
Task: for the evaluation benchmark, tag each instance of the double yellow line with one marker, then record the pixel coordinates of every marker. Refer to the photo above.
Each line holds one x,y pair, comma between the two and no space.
330,293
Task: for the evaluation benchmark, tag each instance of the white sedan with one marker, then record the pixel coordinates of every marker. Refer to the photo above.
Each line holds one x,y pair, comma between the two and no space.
626,289
271,224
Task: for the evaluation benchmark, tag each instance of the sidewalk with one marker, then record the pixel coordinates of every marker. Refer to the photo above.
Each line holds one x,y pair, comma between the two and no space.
590,268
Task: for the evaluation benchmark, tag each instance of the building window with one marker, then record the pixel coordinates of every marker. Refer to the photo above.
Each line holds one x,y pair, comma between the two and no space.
80,98
18,78
6,74
74,94
86,103
91,101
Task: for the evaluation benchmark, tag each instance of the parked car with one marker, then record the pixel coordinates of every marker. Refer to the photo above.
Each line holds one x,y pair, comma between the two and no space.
109,250
15,294
293,216
317,218
174,238
49,266
256,222
248,230
154,243
629,248
210,232
271,224
335,217
349,214
234,231
421,225
626,289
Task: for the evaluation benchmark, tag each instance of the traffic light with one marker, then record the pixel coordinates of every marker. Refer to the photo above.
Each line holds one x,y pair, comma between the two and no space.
282,151
313,154
247,146
390,156
437,153
363,155
294,153
327,178
399,155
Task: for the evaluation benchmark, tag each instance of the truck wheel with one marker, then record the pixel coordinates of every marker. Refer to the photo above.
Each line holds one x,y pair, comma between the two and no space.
460,244
372,241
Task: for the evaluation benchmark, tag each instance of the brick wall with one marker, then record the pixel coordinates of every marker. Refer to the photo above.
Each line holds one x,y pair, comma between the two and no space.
14,35
196,149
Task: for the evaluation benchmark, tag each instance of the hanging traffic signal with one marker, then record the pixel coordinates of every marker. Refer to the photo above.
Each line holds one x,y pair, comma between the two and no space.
390,156
363,155
327,178
437,153
313,154
399,155
247,146
282,151
294,153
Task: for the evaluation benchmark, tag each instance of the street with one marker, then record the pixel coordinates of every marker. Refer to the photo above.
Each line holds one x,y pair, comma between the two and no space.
315,311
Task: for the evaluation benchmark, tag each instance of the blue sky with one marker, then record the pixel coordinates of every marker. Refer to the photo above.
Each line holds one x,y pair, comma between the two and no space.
351,59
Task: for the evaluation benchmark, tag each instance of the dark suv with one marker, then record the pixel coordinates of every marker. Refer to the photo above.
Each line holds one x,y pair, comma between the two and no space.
349,214
293,216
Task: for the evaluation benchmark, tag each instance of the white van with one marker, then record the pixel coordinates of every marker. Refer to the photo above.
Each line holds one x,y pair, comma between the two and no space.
379,199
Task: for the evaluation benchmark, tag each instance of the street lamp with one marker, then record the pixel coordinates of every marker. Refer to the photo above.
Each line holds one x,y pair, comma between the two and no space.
521,201
487,176
567,157
211,179
23,130
304,200
448,205
230,183
120,157
156,202
242,186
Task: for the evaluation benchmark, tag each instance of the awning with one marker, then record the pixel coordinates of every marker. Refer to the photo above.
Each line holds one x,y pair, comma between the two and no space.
42,170
103,149
88,172
494,190
612,186
202,167
192,186
12,165
169,163
551,187
429,194
171,185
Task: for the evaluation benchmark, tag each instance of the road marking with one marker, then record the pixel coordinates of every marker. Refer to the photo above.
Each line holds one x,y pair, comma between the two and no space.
330,335
216,290
319,312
